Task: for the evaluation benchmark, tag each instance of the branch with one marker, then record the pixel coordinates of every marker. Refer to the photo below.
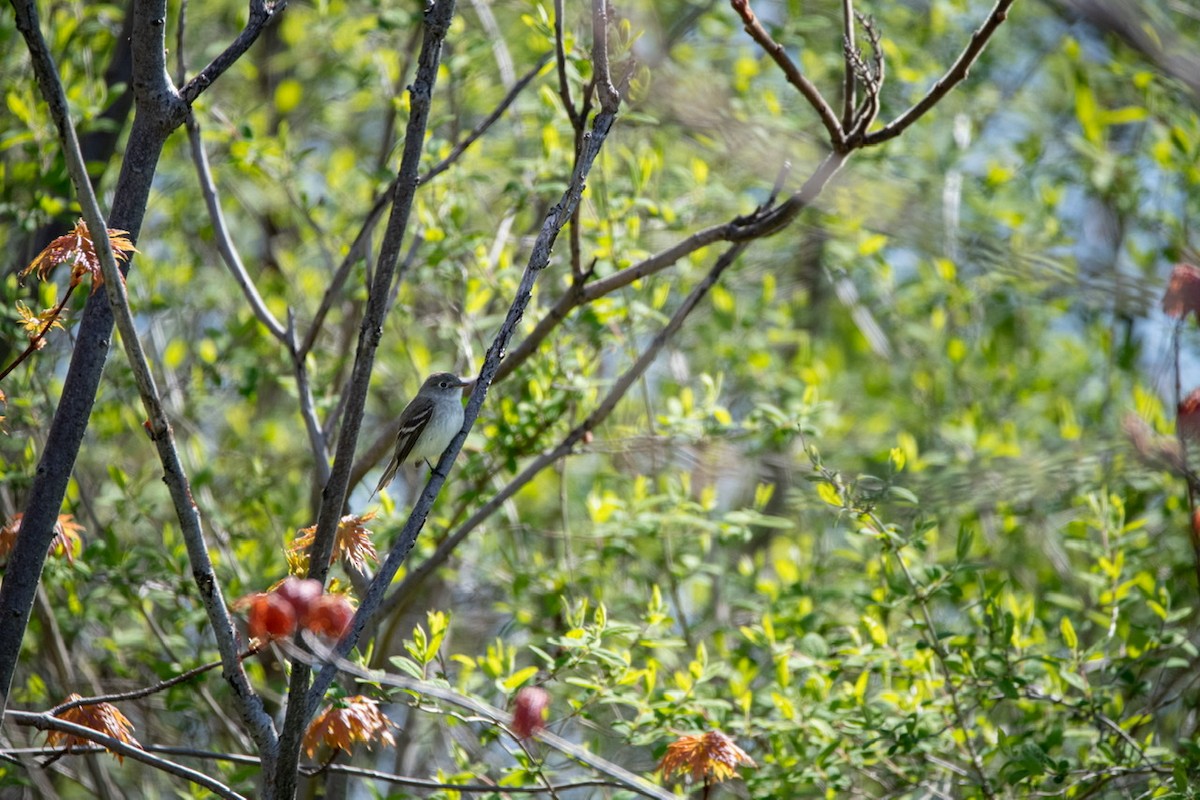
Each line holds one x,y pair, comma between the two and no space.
795,77
848,84
763,222
46,722
486,122
248,703
539,258
560,61
490,714
146,691
261,13
567,445
333,497
34,341
221,232
609,98
358,248
954,76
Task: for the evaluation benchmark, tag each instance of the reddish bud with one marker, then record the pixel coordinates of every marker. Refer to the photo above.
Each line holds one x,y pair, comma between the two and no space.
300,595
1187,419
1182,296
270,617
529,711
329,615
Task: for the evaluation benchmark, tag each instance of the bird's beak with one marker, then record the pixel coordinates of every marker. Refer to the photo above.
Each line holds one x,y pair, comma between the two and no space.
466,383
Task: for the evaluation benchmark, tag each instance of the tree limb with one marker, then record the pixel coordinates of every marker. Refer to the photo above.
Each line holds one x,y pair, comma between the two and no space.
954,76
47,722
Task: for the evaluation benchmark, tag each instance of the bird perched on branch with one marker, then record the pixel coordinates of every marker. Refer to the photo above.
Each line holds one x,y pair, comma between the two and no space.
427,423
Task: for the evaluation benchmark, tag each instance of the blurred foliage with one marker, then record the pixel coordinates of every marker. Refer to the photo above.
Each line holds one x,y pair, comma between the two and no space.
872,514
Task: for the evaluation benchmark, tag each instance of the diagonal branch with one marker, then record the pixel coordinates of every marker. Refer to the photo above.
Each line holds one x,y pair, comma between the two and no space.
248,703
358,247
491,714
487,122
47,722
954,76
160,110
146,691
333,497
577,434
539,259
261,13
225,246
763,222
790,69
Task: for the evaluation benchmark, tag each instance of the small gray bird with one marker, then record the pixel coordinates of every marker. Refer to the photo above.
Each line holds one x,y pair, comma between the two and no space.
428,423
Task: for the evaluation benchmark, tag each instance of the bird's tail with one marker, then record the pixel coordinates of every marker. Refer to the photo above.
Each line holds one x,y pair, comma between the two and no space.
388,474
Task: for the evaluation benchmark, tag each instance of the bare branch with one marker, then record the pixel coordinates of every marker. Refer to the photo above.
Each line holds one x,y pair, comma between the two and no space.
47,722
794,76
261,13
954,76
567,445
159,109
609,98
539,259
848,84
489,713
225,245
486,122
560,60
146,691
437,24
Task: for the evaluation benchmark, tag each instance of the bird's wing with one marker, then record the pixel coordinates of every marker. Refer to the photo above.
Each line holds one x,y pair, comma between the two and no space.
412,422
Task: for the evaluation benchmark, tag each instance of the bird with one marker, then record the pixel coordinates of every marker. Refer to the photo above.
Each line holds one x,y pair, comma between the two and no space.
427,423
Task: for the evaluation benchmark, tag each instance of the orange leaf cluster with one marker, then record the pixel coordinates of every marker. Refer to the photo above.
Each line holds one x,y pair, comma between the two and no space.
77,247
102,717
293,603
355,719
66,542
712,757
35,324
353,543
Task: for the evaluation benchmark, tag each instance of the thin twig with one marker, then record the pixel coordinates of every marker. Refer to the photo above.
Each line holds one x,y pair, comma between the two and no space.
487,122
790,69
248,703
225,247
41,334
493,715
560,60
848,83
576,435
146,691
261,13
763,222
47,722
954,76
358,249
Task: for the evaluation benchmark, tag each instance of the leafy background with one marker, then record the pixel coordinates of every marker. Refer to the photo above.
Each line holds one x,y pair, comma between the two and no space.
873,513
